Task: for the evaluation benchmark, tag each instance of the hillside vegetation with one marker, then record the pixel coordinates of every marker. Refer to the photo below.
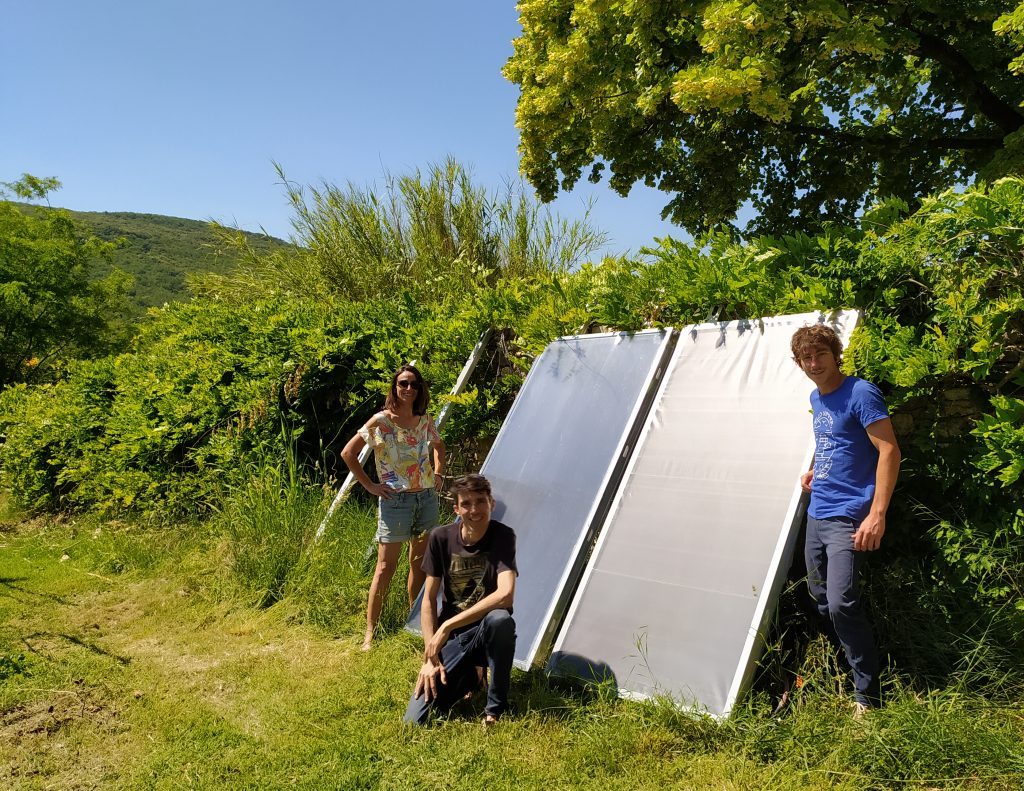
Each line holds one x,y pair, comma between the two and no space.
74,284
159,252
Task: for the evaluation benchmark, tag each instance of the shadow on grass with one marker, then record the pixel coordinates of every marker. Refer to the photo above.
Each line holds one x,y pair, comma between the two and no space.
9,583
535,693
561,697
931,632
76,641
937,634
930,636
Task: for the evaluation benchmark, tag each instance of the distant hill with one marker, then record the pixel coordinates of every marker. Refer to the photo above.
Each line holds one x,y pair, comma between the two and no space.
160,250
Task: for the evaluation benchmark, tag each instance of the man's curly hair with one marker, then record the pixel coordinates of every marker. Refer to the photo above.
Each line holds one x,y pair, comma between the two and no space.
816,334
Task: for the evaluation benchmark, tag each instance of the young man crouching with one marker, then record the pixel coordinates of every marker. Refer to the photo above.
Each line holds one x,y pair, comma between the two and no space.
473,564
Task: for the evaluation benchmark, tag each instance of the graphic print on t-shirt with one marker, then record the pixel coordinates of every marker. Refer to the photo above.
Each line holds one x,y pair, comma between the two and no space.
824,444
467,579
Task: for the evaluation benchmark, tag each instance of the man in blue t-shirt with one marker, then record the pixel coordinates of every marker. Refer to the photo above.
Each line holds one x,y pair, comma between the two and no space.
856,462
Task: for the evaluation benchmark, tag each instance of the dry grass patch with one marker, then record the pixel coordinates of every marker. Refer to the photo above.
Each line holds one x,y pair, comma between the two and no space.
66,738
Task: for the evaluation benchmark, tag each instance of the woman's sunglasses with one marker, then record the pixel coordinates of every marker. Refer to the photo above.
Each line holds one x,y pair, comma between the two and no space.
406,385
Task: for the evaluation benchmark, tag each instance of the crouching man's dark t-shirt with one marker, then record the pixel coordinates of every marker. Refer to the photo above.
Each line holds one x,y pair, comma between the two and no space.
468,571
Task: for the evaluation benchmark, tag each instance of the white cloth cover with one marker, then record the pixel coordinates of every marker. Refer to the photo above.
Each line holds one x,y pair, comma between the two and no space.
555,463
699,536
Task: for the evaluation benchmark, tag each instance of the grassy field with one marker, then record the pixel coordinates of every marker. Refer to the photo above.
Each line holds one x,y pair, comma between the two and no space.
133,658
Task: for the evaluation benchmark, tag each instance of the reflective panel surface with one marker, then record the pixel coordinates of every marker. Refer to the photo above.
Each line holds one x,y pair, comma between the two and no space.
555,456
697,540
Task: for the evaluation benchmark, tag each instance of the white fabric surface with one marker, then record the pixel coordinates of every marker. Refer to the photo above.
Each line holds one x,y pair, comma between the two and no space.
696,544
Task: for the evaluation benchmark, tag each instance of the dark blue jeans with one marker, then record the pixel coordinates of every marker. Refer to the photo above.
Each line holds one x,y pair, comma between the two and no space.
832,577
491,643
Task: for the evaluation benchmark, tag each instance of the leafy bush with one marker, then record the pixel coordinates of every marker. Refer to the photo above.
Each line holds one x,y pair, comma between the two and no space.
168,426
53,310
13,665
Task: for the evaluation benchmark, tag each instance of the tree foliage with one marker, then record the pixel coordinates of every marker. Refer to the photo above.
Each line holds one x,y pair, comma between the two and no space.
51,309
807,109
942,296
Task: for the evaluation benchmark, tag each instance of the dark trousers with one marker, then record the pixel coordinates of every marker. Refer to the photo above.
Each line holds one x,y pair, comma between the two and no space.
832,571
491,643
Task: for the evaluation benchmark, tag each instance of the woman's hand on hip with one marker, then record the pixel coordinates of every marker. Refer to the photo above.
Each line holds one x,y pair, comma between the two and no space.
381,490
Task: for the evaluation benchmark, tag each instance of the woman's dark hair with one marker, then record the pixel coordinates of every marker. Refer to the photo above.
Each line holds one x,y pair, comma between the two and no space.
419,406
467,484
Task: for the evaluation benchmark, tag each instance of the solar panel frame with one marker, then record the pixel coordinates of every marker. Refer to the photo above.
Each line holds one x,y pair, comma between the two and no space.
594,514
564,660
531,450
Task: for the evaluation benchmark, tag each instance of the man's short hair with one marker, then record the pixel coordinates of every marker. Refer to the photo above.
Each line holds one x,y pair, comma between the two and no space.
816,334
467,484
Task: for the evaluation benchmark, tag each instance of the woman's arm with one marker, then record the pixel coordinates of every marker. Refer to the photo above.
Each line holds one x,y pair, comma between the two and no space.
440,454
350,455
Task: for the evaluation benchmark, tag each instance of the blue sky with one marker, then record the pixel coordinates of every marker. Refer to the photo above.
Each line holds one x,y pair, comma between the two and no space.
180,107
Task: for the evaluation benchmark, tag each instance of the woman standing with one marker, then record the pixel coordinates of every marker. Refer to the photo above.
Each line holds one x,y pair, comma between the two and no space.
409,455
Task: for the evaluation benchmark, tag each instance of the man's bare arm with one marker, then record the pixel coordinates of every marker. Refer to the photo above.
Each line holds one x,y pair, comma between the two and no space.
432,669
502,598
869,535
428,607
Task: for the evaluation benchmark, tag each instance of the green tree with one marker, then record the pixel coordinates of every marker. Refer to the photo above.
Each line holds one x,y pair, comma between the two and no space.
806,108
50,308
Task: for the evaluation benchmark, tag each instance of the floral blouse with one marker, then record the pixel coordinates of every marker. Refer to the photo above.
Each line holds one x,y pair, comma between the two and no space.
402,455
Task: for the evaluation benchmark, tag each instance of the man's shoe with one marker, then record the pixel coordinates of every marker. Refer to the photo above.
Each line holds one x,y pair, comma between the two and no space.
860,709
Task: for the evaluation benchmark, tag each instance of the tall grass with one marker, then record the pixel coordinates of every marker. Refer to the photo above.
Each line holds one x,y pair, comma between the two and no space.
433,231
269,524
150,678
269,520
330,588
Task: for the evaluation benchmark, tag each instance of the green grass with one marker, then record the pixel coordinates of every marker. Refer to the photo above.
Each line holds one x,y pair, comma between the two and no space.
147,664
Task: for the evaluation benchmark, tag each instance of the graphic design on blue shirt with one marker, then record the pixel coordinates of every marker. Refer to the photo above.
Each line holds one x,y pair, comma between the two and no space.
824,444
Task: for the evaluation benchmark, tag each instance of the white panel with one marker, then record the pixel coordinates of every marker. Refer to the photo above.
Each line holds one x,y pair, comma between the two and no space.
555,457
691,554
554,464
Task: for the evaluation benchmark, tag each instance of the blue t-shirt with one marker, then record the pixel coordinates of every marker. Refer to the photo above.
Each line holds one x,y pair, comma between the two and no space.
845,461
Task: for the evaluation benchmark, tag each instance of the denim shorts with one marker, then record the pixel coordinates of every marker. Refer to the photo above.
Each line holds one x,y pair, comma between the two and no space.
406,515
